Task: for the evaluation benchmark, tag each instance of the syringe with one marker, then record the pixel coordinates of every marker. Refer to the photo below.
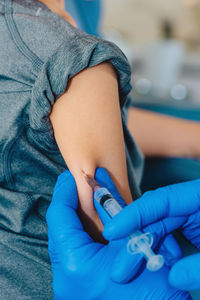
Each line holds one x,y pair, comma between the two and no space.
138,242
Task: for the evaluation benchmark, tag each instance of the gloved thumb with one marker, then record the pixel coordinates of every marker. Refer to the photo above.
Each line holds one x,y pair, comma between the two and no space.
65,229
185,274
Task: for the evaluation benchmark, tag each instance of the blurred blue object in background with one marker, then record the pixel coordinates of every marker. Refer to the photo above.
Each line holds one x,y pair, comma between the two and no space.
87,14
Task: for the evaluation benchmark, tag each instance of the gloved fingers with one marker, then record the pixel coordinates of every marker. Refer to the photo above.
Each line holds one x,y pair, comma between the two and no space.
65,191
170,250
128,266
125,265
163,228
172,201
160,229
137,215
185,274
191,229
51,249
164,242
64,225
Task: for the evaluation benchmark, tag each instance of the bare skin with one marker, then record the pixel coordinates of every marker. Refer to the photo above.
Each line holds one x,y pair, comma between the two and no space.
160,135
87,140
88,130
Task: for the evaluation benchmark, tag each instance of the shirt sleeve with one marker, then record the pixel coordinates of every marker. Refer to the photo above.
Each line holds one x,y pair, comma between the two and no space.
82,52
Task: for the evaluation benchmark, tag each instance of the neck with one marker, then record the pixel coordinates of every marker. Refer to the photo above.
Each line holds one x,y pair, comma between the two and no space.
54,3
58,7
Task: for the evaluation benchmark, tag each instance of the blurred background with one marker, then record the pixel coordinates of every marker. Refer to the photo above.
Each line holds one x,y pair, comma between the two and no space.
162,42
161,39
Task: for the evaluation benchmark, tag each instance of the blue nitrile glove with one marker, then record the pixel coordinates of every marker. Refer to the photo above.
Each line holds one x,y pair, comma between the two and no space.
165,206
82,268
168,247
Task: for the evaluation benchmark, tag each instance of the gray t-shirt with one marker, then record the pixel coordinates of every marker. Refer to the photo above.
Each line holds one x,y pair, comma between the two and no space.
39,53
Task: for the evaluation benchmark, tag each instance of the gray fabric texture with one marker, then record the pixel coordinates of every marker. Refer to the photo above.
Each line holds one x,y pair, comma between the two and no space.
39,53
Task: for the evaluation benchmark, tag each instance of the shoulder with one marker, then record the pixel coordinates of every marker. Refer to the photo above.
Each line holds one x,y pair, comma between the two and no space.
40,29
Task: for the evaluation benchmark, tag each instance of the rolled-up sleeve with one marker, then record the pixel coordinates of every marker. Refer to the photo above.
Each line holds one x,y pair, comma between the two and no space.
71,57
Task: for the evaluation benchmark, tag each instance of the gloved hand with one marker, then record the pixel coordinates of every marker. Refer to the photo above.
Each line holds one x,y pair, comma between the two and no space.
82,268
162,208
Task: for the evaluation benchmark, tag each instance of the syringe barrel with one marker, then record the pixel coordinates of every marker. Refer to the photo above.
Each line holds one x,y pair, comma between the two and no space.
111,206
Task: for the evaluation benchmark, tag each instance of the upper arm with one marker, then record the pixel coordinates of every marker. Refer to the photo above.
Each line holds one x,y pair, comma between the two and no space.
88,129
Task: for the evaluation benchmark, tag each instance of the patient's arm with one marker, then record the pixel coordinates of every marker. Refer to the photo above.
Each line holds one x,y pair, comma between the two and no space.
161,135
88,130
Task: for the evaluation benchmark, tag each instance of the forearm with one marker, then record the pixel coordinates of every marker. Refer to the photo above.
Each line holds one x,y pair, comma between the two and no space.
88,130
160,135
